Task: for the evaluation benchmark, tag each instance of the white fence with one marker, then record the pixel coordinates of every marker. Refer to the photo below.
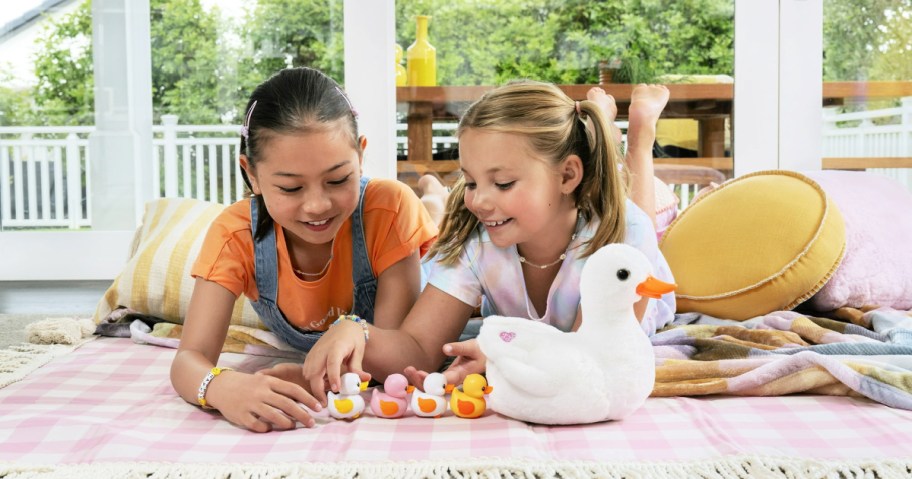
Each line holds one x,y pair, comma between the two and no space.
45,180
849,135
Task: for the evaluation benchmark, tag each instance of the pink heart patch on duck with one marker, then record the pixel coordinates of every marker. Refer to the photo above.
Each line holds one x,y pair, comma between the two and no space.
507,336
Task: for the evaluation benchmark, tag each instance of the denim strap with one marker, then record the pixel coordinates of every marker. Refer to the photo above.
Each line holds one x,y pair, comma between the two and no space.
266,262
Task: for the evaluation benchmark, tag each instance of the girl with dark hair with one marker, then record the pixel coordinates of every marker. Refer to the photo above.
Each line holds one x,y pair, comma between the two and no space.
317,246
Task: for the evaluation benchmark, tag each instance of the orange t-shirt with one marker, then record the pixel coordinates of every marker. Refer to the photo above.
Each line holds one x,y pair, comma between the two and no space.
395,225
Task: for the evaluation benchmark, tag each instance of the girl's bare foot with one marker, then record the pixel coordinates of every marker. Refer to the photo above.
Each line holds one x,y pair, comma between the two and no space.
647,103
609,107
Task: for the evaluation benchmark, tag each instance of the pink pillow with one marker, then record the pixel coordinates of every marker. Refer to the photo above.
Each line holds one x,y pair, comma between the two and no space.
877,269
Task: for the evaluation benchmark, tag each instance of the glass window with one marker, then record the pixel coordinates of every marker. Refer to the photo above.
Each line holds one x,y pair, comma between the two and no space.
867,90
46,114
575,44
207,57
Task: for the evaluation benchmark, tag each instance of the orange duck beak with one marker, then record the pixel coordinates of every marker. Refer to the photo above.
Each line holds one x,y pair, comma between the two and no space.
654,288
449,388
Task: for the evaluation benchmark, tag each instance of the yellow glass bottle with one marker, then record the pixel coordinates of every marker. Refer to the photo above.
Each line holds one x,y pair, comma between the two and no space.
421,56
401,75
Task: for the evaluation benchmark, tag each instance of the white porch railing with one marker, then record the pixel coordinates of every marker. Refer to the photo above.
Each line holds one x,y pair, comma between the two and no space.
868,139
44,180
196,161
45,171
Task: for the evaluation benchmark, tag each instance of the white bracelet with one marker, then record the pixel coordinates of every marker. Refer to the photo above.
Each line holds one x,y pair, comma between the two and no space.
201,394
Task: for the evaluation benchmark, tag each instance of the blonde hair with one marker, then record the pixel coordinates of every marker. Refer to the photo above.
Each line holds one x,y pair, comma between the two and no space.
553,128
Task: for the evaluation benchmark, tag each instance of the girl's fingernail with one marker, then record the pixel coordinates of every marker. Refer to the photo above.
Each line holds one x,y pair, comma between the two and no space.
318,407
448,349
311,423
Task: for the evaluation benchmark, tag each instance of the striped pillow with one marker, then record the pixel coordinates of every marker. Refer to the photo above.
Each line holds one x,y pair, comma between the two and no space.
156,279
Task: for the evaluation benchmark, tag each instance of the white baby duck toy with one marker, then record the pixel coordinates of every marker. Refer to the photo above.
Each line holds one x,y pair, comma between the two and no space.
432,402
392,402
348,403
604,371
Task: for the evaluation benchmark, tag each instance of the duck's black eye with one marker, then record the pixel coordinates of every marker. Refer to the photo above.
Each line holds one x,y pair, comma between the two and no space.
623,274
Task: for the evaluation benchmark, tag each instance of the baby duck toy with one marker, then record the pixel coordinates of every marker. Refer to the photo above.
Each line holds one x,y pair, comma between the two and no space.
603,371
432,402
348,403
391,403
469,403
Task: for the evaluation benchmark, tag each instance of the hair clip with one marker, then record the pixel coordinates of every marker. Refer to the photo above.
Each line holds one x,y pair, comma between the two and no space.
245,130
578,112
350,106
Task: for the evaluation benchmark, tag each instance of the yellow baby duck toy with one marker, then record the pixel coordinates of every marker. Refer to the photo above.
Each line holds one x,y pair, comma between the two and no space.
469,402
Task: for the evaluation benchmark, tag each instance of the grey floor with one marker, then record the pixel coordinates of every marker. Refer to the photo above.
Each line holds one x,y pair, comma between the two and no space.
23,302
51,297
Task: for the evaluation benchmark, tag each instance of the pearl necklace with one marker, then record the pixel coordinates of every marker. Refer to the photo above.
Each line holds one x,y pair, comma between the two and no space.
563,256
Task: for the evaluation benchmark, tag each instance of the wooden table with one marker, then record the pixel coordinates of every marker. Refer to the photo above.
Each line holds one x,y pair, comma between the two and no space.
709,104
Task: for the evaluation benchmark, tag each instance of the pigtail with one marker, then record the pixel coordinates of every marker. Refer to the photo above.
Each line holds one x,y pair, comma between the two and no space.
603,191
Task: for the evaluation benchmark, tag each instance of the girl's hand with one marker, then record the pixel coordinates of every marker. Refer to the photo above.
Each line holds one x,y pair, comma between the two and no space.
291,372
260,402
340,348
469,359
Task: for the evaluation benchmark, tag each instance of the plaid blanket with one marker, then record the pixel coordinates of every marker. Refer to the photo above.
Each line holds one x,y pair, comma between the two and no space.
108,410
852,353
862,353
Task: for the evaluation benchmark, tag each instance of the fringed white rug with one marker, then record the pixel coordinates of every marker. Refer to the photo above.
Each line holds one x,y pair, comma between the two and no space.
53,337
744,467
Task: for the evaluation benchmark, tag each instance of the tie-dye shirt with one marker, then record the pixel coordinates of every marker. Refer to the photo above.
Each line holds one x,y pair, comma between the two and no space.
492,277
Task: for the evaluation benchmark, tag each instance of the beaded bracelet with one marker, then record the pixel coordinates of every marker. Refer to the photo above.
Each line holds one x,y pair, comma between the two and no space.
201,394
357,319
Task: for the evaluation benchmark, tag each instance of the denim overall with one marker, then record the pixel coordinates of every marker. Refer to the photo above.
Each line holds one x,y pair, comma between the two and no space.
267,280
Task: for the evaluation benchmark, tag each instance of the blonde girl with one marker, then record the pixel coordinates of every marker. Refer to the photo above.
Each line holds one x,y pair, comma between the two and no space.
542,189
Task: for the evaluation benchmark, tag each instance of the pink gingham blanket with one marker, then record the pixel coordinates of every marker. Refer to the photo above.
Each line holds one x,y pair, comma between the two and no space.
111,402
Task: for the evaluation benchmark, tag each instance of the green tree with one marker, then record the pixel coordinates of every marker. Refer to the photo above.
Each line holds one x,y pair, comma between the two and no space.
867,40
562,41
294,33
190,75
15,103
186,80
63,66
894,59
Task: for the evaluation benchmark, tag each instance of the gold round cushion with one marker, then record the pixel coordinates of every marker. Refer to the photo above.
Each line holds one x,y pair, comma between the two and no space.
763,242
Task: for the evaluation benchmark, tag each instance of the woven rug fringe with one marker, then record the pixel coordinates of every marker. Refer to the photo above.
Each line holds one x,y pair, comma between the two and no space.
16,362
739,467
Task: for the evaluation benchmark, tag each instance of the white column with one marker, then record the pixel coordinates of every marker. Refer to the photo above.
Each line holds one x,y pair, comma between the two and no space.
121,146
370,81
755,134
800,84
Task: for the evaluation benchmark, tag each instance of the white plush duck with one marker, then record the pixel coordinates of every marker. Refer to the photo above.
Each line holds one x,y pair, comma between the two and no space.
348,403
604,371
